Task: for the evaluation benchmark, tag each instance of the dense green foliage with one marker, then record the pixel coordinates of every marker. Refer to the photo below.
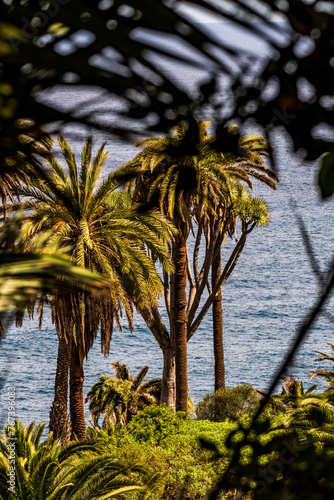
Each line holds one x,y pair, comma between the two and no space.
156,424
33,469
164,454
170,443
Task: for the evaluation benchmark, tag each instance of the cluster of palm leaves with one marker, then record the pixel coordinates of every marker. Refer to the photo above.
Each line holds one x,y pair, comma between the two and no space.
134,68
307,411
121,397
102,231
315,413
48,470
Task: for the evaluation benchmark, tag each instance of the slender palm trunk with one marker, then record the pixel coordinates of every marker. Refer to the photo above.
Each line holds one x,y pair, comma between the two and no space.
168,386
59,422
217,315
77,411
180,319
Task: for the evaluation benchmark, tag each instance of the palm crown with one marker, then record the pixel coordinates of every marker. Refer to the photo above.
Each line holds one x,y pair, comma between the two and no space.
104,232
177,182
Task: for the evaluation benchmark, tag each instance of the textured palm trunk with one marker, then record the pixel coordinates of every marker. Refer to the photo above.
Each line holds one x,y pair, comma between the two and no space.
168,385
59,422
180,319
217,315
77,411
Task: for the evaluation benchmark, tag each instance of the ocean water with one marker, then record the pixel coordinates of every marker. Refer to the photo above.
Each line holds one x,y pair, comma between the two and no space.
265,300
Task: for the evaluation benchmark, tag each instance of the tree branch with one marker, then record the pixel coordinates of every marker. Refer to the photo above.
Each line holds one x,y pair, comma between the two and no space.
196,252
154,322
166,292
232,262
215,231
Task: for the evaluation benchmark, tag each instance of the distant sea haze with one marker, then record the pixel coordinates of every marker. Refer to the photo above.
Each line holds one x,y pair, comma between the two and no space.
265,300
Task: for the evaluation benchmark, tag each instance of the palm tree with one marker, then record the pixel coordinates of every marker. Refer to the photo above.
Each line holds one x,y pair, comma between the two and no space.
184,179
119,398
103,231
244,153
52,472
294,395
307,412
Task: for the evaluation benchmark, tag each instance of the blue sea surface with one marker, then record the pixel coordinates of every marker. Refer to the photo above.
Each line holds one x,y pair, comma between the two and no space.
265,301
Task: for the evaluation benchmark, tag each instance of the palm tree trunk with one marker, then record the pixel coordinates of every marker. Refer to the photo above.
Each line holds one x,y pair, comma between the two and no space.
180,318
217,316
168,393
77,411
59,423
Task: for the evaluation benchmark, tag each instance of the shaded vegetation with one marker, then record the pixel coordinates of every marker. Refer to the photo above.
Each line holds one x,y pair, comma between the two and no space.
228,404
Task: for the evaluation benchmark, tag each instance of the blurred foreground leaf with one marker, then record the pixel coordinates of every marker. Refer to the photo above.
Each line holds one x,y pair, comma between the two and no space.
22,277
326,175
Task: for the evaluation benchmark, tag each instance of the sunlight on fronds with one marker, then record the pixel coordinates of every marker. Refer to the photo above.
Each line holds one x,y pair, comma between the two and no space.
101,230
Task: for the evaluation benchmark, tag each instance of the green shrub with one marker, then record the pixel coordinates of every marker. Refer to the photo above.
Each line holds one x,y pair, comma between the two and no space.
229,403
155,424
169,443
190,466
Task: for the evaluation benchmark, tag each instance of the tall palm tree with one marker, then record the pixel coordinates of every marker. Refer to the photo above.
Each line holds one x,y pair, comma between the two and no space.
103,231
254,148
182,178
122,396
246,155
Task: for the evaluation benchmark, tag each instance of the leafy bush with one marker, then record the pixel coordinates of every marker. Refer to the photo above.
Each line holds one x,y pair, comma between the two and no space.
155,424
228,403
169,443
189,465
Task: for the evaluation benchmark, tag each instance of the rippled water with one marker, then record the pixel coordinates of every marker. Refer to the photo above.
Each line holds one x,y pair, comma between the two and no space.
265,300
